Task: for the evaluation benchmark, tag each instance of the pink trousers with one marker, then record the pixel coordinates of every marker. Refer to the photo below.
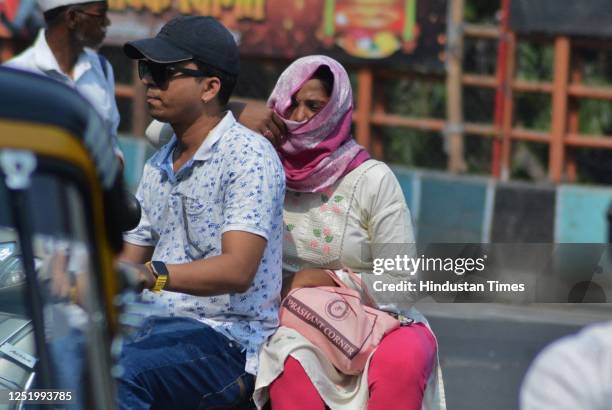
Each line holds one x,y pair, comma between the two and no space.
398,374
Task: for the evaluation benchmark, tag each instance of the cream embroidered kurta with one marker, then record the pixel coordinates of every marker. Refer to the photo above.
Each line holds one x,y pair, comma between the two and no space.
362,217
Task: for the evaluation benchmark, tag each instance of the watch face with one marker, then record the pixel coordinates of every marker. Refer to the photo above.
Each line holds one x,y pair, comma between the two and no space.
159,267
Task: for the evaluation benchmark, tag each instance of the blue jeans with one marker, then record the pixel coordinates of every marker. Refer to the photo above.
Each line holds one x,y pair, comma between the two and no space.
180,363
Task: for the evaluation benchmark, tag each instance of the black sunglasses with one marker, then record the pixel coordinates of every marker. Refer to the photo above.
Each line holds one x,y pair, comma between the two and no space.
161,73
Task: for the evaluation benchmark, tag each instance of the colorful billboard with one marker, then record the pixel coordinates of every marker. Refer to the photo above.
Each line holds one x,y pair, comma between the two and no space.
391,32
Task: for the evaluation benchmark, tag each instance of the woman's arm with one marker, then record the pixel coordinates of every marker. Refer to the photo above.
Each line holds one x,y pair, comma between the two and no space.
253,114
387,218
257,116
307,278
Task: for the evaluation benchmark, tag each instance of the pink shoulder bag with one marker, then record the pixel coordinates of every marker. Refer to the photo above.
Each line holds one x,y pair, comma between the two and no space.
336,321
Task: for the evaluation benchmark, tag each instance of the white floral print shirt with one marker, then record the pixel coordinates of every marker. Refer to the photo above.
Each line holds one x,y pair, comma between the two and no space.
234,182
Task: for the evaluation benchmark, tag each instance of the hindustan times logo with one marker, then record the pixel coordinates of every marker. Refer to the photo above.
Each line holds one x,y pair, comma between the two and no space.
411,265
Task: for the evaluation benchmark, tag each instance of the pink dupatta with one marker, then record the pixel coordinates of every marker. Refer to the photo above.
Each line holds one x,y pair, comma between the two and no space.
317,152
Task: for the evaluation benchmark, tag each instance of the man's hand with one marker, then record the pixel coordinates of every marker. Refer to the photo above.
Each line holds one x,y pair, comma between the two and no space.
140,274
258,117
146,276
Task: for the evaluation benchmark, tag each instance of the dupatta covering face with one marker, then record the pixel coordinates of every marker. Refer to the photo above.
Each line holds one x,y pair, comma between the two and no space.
317,152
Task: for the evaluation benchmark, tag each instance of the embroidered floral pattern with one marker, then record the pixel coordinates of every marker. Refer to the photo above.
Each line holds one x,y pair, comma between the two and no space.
320,237
329,203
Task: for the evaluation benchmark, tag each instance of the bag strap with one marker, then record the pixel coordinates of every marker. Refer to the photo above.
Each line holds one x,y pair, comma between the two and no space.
335,278
355,279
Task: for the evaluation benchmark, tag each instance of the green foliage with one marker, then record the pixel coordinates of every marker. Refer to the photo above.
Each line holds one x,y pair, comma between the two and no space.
416,99
419,99
534,62
595,117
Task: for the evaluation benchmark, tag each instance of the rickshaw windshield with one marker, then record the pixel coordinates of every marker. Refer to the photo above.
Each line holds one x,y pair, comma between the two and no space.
71,305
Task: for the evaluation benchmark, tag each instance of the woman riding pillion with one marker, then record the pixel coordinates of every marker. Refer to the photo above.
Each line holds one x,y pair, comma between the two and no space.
341,208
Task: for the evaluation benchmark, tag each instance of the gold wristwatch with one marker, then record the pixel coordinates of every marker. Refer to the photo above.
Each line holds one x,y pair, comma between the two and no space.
160,271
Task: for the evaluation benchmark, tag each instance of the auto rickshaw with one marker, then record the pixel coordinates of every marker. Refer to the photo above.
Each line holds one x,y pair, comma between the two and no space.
62,212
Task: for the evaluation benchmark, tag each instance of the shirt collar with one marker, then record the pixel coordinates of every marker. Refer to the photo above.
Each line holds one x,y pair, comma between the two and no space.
46,62
205,151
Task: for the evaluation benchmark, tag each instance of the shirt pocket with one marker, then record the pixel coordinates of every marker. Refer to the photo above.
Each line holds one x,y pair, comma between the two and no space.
201,226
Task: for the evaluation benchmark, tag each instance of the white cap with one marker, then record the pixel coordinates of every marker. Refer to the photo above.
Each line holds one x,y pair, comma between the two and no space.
46,5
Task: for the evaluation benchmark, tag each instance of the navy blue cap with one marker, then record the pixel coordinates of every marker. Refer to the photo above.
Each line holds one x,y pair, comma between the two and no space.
189,38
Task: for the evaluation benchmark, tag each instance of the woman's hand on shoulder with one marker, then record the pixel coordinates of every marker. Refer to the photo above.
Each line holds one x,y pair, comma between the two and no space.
307,278
258,117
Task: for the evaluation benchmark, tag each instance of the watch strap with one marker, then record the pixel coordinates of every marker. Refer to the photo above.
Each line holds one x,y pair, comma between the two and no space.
161,273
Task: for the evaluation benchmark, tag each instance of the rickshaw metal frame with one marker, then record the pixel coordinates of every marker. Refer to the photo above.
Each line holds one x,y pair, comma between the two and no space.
68,139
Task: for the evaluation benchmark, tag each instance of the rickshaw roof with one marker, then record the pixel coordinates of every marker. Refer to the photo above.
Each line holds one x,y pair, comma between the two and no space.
30,97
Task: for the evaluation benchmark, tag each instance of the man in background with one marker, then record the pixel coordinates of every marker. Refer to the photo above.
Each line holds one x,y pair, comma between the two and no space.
64,51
